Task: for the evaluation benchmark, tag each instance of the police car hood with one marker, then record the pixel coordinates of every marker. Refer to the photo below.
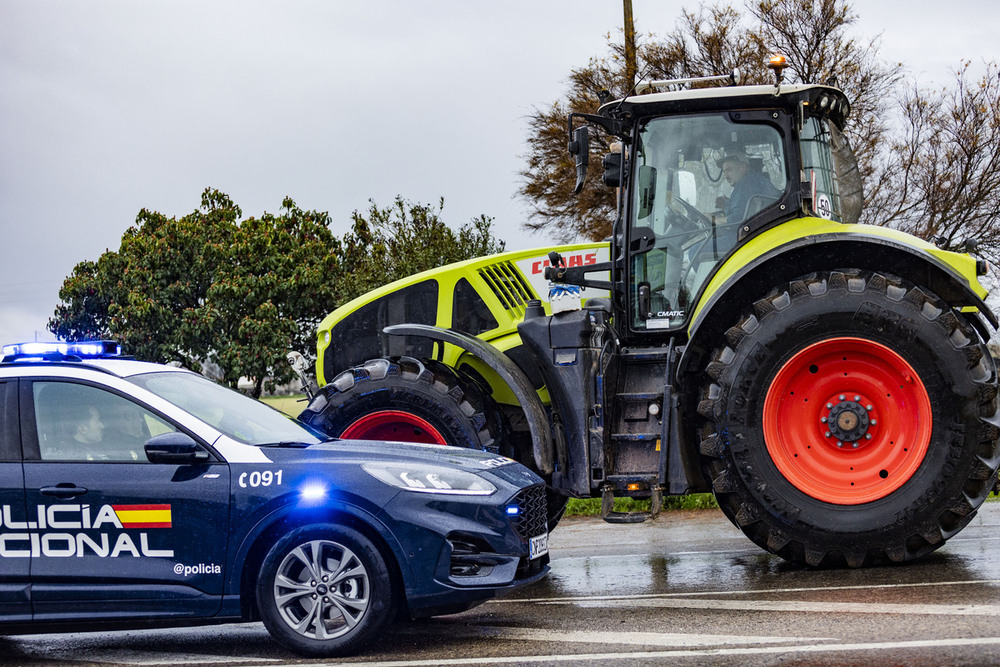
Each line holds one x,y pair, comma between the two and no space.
471,460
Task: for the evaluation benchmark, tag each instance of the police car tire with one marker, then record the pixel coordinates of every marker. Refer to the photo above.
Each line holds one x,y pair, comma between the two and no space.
859,313
456,408
371,581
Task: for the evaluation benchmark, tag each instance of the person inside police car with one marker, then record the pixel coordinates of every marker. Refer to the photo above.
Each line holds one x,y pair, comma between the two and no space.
85,427
74,424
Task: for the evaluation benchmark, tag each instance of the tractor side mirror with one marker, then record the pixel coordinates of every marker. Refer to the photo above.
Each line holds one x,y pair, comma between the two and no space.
579,146
613,170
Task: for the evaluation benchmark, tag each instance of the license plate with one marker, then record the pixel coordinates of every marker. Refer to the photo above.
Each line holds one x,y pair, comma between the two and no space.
538,546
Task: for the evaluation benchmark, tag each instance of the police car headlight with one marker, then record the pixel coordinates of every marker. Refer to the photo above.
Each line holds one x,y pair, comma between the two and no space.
429,479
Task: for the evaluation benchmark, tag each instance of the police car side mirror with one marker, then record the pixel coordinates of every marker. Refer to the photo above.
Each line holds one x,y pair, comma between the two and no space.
176,448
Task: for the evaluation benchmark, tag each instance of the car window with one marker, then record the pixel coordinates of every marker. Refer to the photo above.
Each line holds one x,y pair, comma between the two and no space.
232,413
10,442
77,422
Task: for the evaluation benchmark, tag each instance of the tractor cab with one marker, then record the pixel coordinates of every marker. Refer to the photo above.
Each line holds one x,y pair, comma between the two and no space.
703,171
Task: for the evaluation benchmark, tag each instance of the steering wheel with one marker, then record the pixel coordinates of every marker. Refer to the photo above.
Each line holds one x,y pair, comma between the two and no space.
694,216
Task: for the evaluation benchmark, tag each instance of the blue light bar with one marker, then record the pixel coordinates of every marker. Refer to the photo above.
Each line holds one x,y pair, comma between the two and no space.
513,510
91,349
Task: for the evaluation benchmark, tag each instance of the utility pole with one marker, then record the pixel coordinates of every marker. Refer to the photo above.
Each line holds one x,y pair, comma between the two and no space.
631,67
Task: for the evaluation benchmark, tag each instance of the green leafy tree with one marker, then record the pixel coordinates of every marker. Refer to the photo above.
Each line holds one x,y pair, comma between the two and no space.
210,287
167,266
405,238
267,296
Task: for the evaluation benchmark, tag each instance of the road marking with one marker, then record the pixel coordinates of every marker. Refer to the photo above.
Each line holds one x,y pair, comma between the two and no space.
695,653
619,638
761,591
798,606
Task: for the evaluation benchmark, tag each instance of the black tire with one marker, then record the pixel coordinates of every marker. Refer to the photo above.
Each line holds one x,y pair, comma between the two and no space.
788,480
409,400
340,579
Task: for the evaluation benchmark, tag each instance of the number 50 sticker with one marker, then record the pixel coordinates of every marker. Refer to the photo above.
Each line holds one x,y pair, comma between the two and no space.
257,478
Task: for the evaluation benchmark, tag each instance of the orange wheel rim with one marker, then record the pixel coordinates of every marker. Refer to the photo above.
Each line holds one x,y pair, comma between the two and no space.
847,421
393,425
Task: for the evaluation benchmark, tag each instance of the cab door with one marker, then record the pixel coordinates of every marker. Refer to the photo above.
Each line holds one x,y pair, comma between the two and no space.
15,603
116,535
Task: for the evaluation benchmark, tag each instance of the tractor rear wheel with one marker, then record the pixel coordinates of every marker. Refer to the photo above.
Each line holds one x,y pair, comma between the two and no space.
851,419
408,400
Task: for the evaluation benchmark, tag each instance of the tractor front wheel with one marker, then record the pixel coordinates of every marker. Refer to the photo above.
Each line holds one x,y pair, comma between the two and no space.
406,400
851,419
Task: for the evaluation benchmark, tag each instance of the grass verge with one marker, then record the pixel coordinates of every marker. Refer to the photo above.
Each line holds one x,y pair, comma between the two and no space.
291,405
592,506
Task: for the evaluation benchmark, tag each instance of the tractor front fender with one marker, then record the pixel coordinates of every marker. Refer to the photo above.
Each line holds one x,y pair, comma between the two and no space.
761,265
538,423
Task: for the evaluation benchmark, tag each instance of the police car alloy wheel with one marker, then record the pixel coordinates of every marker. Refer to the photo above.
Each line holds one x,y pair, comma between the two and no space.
324,590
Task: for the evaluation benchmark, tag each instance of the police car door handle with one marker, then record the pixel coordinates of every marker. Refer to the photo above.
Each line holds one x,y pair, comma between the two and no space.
63,490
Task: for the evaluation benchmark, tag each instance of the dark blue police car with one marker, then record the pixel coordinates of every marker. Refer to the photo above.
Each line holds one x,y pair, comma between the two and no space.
138,494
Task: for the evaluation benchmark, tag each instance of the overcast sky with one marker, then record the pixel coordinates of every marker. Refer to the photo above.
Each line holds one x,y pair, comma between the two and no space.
107,107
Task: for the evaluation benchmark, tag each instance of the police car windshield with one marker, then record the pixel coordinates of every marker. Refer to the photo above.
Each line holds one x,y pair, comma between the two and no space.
232,413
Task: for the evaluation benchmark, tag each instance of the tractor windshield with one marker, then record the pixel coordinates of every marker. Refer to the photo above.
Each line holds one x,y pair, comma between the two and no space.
696,180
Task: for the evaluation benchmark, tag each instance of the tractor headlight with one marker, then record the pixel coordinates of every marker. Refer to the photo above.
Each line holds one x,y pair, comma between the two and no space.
429,479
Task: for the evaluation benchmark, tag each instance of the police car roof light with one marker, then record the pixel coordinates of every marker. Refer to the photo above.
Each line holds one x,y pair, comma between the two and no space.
53,351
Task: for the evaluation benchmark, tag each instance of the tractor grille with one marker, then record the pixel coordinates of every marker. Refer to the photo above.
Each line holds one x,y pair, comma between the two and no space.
508,286
532,517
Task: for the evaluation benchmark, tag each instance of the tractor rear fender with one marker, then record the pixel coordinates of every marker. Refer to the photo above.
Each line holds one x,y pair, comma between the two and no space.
773,258
509,372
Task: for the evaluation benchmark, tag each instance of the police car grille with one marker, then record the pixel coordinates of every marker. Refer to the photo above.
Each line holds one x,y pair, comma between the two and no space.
532,517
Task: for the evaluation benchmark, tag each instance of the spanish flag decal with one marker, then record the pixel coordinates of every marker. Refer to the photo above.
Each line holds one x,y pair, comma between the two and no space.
143,516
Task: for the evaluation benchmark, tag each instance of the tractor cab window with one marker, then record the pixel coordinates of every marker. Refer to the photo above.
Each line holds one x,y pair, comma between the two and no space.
831,170
696,180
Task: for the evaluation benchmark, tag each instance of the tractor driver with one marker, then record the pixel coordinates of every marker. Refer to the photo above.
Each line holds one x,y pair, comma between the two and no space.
752,189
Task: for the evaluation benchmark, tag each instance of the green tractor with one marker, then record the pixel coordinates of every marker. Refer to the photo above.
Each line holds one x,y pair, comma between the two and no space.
739,333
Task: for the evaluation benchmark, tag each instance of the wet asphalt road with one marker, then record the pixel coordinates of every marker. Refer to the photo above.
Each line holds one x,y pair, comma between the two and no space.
685,589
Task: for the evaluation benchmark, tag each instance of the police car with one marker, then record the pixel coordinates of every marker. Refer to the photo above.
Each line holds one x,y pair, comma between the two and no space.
138,494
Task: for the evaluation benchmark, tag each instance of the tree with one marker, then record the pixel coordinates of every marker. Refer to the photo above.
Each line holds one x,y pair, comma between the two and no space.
267,296
210,287
940,175
714,40
381,247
